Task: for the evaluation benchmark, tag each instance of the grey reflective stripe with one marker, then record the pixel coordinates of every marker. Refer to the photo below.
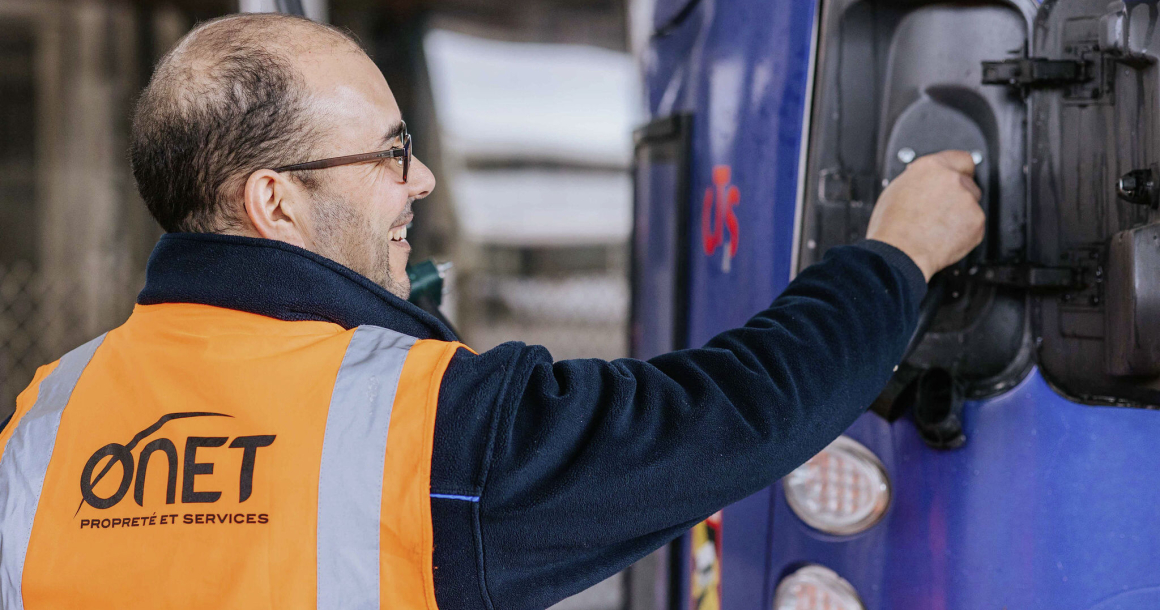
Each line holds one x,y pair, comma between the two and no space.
24,464
350,480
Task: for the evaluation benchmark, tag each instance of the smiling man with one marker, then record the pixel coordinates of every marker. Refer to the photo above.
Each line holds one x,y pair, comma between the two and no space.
240,97
276,427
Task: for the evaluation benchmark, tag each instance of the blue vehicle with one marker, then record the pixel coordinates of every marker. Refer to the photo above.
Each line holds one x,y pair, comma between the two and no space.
1012,462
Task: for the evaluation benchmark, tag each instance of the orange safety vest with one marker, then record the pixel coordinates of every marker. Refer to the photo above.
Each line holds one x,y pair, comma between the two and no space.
205,457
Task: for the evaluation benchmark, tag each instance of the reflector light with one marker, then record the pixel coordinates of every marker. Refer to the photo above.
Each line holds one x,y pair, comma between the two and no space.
815,587
842,490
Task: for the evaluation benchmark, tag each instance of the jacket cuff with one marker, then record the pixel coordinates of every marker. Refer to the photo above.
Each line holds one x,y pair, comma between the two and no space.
915,280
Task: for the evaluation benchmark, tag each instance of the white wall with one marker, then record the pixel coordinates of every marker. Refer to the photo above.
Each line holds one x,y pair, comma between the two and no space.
315,9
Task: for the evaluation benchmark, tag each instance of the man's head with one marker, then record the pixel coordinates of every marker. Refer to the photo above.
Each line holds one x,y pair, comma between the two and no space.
242,95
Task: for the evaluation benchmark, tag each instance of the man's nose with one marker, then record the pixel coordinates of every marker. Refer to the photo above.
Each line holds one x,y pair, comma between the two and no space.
421,180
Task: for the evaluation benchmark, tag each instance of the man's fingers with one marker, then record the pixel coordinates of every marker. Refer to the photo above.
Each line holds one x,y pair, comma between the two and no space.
931,211
958,160
969,184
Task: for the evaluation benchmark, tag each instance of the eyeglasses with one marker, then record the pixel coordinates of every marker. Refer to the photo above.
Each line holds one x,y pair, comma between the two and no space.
402,153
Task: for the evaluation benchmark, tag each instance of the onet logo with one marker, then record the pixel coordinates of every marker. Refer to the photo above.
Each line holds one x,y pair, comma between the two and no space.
713,225
133,475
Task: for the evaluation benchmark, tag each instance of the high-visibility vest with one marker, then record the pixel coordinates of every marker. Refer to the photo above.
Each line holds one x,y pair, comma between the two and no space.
205,457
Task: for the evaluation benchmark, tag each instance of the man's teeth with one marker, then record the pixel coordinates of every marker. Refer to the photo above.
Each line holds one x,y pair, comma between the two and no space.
398,233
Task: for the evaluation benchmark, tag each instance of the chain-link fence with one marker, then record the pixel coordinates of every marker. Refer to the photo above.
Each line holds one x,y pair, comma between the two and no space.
41,318
575,316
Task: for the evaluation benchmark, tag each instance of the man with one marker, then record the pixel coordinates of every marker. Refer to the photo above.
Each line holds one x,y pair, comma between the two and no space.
275,426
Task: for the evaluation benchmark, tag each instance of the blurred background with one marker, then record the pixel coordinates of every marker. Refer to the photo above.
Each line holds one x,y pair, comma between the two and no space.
524,109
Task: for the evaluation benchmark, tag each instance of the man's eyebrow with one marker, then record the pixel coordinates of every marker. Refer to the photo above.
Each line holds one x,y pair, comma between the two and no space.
393,132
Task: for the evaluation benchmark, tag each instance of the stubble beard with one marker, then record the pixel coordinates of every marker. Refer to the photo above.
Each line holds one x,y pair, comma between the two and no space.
348,237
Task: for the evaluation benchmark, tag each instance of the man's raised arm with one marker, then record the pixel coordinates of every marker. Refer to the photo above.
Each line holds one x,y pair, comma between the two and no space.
587,465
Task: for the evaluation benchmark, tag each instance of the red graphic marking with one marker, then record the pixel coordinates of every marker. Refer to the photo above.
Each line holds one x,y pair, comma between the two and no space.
713,225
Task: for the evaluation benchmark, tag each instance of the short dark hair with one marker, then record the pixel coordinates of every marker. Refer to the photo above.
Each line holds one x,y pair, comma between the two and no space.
224,103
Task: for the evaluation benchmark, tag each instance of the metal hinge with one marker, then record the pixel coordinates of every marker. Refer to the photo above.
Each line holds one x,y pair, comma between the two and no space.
1036,72
1028,277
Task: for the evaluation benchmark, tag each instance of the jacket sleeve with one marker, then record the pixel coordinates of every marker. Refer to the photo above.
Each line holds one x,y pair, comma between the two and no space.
584,466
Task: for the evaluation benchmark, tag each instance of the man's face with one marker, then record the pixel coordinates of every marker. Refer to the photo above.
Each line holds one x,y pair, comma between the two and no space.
360,212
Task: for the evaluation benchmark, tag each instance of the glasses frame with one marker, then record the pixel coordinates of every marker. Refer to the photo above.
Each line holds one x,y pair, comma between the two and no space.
403,151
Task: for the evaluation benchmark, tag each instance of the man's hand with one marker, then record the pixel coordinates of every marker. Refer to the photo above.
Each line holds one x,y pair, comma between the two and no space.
931,211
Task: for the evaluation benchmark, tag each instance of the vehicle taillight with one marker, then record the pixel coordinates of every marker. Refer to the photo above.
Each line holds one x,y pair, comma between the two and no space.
816,587
842,490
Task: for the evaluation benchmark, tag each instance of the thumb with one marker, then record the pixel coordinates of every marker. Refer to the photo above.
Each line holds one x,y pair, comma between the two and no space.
958,160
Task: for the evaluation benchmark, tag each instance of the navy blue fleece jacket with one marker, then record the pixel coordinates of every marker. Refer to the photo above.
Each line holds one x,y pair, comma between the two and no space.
550,476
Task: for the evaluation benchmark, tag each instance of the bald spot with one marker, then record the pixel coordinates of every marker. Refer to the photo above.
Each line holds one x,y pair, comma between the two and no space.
229,99
194,68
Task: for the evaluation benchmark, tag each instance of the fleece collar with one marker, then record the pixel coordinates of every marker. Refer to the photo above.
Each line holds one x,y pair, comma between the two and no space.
277,280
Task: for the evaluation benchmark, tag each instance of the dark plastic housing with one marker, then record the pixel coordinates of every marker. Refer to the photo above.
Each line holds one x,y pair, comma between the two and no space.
1133,310
1061,105
898,80
1096,342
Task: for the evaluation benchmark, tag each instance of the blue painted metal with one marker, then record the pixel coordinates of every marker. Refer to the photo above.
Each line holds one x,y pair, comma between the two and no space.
745,79
1050,504
742,69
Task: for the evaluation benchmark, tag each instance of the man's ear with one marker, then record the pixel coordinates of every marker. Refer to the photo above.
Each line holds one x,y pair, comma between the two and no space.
275,207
